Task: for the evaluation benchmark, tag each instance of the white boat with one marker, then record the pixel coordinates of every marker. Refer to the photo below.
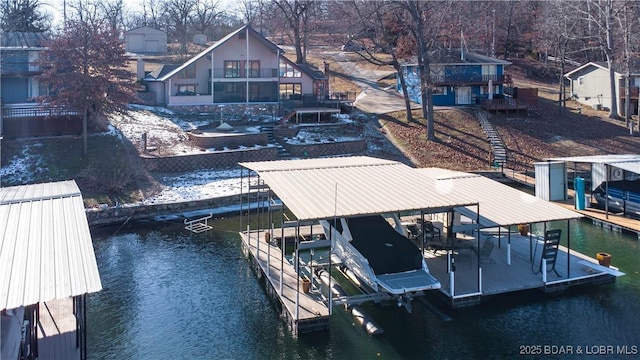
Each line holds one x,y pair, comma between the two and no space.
380,255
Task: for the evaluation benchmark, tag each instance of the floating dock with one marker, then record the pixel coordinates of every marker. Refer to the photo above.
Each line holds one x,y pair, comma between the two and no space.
303,311
466,286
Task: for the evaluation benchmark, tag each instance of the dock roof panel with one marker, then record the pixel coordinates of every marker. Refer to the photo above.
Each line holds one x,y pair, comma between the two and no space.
499,204
46,251
323,188
353,186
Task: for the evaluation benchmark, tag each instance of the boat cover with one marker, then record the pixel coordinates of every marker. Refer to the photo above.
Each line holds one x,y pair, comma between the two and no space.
386,250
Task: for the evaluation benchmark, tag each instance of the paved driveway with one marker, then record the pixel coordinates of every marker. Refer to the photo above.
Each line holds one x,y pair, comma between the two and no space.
372,98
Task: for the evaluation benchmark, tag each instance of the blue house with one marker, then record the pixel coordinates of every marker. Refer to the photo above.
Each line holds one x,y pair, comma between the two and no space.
459,78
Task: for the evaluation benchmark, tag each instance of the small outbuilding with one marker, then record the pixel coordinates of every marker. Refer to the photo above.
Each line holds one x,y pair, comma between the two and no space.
145,40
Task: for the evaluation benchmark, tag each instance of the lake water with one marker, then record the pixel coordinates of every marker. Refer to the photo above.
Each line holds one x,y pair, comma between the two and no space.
170,294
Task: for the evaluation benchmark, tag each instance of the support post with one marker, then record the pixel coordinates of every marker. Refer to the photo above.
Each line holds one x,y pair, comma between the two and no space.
452,276
544,271
509,254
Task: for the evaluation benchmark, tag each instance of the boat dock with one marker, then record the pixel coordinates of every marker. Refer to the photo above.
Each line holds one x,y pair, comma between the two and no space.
611,221
467,286
57,335
303,311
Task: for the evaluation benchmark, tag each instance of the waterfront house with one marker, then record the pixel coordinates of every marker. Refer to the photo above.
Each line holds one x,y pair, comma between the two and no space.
458,78
301,81
243,67
590,85
18,71
145,40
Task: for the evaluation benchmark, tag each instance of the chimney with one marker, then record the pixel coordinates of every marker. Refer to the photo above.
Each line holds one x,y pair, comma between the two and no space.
140,69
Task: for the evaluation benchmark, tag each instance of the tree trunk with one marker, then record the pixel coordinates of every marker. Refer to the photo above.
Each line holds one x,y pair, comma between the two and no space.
613,112
403,85
85,121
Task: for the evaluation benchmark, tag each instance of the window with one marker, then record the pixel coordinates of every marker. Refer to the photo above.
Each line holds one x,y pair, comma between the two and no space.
254,68
288,71
291,91
232,69
440,90
186,89
485,89
188,73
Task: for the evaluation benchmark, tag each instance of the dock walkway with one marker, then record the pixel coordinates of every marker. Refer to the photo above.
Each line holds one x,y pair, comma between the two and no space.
304,312
57,330
498,277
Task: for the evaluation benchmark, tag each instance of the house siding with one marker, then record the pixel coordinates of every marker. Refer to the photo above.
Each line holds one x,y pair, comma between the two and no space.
591,87
146,40
462,80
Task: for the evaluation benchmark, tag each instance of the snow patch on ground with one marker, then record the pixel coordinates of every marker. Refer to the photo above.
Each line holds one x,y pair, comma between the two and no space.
202,184
23,168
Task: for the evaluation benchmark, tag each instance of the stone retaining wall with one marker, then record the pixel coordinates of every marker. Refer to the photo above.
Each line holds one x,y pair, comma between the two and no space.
229,141
209,160
326,149
118,215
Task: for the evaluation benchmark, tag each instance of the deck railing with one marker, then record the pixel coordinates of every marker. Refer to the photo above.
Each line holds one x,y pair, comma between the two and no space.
244,73
453,79
34,111
633,92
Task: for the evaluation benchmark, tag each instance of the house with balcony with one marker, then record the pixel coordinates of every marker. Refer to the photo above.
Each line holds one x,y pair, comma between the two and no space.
457,77
18,71
244,67
301,82
590,85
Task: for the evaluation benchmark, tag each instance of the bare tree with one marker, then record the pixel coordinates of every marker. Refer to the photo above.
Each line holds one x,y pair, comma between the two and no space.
425,21
254,13
205,15
601,16
179,14
297,14
113,13
23,16
383,27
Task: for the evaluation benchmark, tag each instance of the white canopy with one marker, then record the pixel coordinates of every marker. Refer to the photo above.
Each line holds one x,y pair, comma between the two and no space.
352,186
46,250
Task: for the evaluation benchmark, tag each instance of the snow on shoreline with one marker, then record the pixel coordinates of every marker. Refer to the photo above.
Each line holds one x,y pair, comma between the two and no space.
166,130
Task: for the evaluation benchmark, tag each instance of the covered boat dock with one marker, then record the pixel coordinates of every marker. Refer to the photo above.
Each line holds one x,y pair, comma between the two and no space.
467,206
47,267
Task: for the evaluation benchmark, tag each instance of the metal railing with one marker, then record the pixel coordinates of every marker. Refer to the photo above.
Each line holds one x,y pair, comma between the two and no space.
31,111
244,73
466,79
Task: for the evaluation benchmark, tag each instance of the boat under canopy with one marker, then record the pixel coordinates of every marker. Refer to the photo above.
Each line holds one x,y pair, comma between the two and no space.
380,255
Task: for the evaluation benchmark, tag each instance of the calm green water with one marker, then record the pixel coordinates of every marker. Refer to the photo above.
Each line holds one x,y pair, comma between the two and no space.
169,294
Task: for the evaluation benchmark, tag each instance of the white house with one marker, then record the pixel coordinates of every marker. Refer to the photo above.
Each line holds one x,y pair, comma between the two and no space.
242,67
590,86
145,40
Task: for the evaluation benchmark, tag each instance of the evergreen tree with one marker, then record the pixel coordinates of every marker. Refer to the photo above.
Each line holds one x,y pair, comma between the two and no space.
22,16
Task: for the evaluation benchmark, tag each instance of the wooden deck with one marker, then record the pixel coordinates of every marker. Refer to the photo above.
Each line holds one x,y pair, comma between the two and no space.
312,314
57,330
499,278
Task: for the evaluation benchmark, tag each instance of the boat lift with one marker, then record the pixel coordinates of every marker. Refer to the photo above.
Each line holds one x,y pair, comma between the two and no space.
198,225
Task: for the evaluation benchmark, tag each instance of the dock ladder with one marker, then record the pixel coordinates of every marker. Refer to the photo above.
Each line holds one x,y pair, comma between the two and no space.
198,225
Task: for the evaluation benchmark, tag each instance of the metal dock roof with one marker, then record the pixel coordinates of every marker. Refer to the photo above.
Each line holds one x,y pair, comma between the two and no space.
46,250
353,186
